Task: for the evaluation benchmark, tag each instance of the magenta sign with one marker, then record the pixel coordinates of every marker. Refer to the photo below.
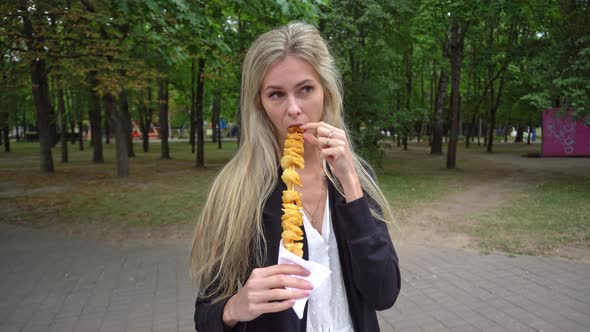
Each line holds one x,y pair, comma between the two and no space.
564,137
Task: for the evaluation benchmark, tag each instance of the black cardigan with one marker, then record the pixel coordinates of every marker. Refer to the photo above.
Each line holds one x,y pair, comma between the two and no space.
369,268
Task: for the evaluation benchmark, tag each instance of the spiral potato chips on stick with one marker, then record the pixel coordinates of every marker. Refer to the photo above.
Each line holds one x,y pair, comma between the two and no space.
292,218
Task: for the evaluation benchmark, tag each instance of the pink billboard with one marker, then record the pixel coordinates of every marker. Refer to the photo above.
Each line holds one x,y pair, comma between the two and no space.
564,137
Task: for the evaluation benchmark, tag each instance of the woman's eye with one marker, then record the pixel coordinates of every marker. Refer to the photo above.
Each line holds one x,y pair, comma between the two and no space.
275,95
307,89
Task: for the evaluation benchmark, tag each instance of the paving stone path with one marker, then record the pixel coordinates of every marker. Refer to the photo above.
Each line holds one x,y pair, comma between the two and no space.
53,283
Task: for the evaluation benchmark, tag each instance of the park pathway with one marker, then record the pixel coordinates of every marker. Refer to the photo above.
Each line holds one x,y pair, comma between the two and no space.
49,282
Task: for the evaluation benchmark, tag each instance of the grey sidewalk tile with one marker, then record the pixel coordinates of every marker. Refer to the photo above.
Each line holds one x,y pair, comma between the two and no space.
113,326
139,326
496,328
77,284
88,324
480,322
465,328
436,326
63,325
43,317
11,327
70,311
35,328
567,325
544,326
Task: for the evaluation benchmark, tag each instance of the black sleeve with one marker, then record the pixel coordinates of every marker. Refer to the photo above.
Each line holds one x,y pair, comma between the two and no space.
209,316
375,272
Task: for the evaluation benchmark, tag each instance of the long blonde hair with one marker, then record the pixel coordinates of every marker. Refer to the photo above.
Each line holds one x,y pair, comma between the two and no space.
229,240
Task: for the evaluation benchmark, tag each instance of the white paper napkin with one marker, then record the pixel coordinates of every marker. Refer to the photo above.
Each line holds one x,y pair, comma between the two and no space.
318,274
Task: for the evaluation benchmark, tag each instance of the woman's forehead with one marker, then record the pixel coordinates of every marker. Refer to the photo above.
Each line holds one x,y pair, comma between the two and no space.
288,72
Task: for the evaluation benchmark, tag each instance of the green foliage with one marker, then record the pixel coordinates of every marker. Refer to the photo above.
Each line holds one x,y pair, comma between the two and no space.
390,54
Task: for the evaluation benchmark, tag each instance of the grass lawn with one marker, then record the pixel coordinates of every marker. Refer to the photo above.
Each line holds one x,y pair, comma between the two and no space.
157,192
545,217
553,211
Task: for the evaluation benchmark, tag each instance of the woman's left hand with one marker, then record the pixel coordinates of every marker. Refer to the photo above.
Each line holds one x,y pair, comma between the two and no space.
335,149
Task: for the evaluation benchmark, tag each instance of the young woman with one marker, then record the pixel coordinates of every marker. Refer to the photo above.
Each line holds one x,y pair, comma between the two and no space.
290,79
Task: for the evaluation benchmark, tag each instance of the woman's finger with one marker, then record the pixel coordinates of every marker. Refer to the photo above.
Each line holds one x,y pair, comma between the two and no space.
275,306
284,281
322,129
292,269
310,138
330,132
312,126
330,142
280,294
332,153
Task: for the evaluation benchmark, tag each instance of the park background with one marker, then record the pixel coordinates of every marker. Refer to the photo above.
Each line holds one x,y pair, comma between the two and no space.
116,116
138,100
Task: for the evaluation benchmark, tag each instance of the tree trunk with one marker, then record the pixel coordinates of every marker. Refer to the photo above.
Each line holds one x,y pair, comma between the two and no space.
54,119
456,54
471,132
437,134
24,124
214,124
72,117
107,126
17,131
163,108
80,131
191,137
6,139
62,123
519,134
95,122
126,122
116,123
44,117
495,105
479,131
200,162
146,120
142,122
408,104
40,89
80,124
422,130
72,130
217,115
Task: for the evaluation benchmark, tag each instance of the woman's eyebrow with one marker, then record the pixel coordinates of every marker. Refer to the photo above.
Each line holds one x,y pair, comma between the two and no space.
278,87
306,81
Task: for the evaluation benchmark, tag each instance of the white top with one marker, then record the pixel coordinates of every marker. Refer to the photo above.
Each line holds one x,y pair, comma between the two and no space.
327,308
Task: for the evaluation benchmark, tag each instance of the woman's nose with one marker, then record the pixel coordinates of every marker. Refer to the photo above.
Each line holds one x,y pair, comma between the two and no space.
293,107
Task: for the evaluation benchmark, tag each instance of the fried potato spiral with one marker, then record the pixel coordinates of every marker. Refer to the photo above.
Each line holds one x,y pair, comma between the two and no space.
292,218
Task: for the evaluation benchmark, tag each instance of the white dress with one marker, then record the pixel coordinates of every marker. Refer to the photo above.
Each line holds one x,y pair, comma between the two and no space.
327,308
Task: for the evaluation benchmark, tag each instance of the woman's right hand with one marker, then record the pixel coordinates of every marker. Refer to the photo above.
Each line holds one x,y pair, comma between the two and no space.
266,291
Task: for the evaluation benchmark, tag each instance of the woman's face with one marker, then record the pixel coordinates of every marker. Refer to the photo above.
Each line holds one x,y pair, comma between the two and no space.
292,94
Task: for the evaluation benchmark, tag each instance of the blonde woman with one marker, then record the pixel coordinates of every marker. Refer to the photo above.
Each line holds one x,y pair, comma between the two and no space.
290,79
